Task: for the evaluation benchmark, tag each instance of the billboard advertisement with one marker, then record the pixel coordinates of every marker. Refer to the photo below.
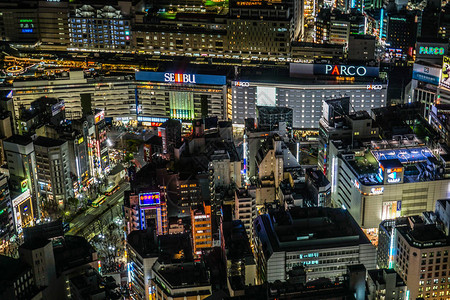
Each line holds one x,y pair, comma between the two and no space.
99,116
445,75
181,78
56,108
426,74
394,175
298,70
149,199
266,96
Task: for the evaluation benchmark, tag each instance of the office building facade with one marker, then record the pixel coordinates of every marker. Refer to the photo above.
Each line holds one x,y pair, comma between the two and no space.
21,159
303,97
201,228
146,210
418,250
7,229
375,185
53,170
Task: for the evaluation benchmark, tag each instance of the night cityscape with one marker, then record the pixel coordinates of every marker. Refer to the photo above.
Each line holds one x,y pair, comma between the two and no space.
224,149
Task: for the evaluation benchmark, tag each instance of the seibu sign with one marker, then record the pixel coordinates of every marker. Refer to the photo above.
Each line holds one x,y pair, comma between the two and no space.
179,78
182,78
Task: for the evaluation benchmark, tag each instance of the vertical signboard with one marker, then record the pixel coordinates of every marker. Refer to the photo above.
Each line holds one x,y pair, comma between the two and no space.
445,75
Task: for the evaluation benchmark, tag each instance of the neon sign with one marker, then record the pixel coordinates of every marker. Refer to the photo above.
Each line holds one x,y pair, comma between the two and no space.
342,70
179,78
148,199
100,116
432,50
393,178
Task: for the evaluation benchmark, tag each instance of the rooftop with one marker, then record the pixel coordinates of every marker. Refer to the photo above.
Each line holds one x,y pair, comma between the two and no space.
172,248
309,228
35,244
48,142
19,139
424,235
237,244
11,268
71,252
183,275
379,275
419,162
143,242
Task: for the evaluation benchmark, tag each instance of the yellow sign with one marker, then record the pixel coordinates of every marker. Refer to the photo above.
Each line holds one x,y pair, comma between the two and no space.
445,76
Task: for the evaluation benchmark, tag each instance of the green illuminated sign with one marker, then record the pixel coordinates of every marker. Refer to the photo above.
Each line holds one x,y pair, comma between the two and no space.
24,185
26,21
398,19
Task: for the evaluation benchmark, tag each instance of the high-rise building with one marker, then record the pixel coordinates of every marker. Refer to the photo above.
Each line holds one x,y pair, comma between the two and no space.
324,240
145,250
402,32
361,47
201,228
54,25
318,82
170,132
7,229
443,213
337,123
21,159
99,145
245,209
146,210
318,187
385,183
53,170
418,250
100,27
39,255
387,284
261,28
16,279
180,280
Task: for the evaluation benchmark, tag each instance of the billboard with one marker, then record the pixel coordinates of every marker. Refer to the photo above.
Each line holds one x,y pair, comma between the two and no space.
181,78
99,116
297,70
426,74
266,96
58,107
149,199
394,175
445,75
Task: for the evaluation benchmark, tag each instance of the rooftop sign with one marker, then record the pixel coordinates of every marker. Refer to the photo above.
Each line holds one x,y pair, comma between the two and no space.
181,78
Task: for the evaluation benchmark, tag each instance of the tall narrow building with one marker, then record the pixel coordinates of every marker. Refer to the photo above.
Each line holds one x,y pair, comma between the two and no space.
21,160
